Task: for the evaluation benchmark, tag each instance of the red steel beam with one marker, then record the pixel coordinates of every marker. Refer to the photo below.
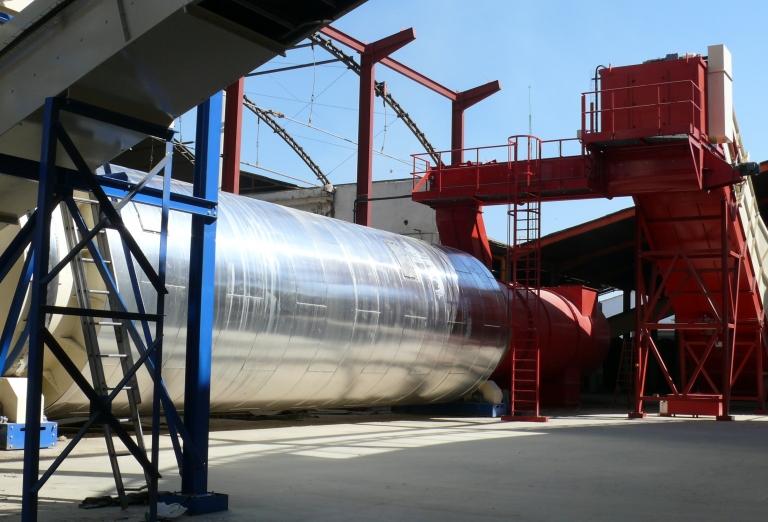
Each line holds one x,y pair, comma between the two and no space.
233,128
369,56
406,71
464,100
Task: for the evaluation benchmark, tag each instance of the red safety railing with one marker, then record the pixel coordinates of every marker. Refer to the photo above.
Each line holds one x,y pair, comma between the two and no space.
641,103
428,176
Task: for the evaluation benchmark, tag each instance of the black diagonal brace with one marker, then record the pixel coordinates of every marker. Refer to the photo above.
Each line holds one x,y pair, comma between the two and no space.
96,399
17,246
107,208
92,419
114,118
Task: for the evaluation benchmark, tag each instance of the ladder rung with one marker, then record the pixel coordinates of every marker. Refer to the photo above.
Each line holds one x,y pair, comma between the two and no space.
124,454
83,200
89,260
124,421
126,388
118,355
525,401
99,292
107,323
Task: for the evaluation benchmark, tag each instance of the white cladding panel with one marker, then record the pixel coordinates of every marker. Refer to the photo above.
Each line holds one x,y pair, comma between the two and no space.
719,95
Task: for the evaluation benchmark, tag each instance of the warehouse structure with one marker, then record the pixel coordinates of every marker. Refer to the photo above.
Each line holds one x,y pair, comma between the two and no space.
130,293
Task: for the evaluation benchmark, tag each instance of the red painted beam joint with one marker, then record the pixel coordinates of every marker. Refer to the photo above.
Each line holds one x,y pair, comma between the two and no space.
233,128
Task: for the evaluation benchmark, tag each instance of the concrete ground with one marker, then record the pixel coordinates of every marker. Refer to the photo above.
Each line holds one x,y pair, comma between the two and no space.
593,465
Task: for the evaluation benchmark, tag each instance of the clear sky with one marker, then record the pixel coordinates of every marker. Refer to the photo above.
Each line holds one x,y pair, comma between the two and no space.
552,47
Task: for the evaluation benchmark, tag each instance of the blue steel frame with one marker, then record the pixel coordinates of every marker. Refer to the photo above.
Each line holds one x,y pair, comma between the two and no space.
197,379
56,186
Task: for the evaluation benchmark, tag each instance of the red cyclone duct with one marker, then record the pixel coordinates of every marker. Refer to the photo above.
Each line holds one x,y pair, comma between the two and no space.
574,340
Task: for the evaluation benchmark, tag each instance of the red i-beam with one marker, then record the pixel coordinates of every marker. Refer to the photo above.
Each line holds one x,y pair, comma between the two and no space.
369,56
461,102
233,128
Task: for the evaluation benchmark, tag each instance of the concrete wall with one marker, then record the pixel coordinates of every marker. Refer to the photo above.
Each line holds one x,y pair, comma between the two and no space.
400,215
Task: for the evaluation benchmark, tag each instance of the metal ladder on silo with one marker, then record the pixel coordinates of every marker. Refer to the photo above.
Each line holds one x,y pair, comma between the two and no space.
95,356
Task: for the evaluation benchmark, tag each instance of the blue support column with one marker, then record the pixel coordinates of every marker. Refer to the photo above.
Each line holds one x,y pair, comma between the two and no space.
158,355
41,244
197,391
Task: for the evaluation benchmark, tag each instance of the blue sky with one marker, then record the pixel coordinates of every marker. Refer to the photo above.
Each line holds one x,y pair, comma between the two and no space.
551,46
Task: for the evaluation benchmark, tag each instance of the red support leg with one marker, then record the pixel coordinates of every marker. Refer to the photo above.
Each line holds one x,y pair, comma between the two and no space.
726,315
760,377
233,128
373,53
365,143
637,410
464,100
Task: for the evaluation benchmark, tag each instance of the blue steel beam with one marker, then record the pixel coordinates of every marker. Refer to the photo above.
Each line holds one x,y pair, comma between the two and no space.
41,245
113,186
17,246
12,320
114,118
197,385
16,350
158,356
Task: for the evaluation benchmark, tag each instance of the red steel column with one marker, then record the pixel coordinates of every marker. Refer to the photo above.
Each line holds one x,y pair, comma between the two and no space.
233,128
365,142
639,369
464,100
373,52
725,314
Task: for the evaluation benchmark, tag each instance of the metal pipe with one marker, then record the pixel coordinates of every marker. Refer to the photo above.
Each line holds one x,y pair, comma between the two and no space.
315,312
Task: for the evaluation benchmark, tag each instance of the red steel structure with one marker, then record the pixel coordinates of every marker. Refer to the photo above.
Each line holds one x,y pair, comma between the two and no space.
644,136
233,128
378,52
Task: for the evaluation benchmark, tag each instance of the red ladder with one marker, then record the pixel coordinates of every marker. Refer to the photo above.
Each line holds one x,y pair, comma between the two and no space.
524,276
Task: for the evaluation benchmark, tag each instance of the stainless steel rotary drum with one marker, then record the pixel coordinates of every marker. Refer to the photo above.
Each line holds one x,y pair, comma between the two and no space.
315,312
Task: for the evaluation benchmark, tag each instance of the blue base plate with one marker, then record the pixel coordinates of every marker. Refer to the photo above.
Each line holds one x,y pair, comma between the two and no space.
12,435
